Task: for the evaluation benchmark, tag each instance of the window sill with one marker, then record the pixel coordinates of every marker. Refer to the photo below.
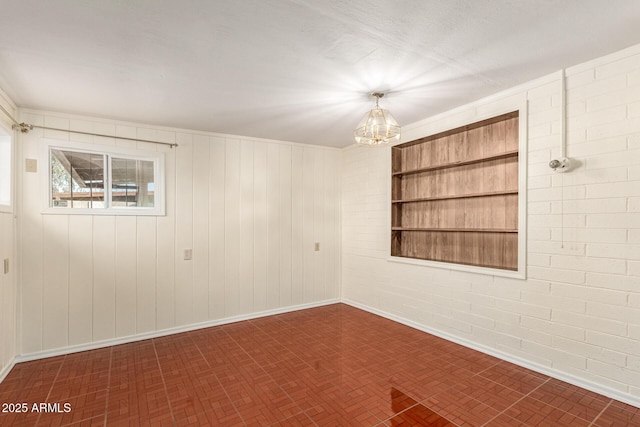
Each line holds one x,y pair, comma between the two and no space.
107,212
459,267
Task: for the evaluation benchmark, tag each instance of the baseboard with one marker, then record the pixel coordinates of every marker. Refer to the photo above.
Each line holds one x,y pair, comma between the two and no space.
5,371
165,332
563,376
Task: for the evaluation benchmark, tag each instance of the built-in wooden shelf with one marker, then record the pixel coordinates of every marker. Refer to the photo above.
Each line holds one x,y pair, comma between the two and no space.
457,196
464,230
504,155
467,211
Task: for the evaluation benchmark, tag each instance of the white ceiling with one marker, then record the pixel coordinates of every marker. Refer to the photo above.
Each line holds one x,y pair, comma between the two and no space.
295,70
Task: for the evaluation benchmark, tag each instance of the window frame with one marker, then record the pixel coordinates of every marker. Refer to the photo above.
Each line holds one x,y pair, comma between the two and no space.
8,132
157,157
424,128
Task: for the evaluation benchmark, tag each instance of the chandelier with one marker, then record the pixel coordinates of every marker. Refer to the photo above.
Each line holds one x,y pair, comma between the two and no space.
377,127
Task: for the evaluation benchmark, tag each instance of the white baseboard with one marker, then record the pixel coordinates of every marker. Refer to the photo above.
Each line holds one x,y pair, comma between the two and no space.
563,376
5,371
164,332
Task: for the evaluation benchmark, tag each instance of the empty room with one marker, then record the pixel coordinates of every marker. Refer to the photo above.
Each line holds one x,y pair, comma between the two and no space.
320,213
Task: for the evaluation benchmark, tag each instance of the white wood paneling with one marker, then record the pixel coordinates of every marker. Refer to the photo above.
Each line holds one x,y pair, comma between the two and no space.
80,279
297,225
260,248
126,275
308,232
330,246
166,261
104,278
284,225
201,197
273,226
317,292
217,259
147,247
249,210
245,236
31,249
6,234
232,228
183,284
8,302
8,285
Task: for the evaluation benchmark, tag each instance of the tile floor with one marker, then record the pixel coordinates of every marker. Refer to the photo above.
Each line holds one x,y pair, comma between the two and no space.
328,366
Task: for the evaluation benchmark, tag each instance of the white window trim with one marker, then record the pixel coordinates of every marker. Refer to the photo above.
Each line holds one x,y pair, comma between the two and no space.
488,112
157,157
6,130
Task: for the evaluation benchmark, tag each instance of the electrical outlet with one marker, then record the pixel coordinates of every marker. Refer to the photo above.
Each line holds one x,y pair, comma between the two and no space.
188,254
317,246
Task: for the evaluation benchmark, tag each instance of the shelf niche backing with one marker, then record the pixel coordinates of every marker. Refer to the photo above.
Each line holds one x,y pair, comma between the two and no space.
455,195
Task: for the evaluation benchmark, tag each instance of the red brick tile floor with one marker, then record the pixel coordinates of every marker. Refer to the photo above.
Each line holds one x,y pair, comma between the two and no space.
328,366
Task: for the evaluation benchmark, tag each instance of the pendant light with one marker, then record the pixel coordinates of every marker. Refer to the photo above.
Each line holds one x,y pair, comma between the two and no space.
377,127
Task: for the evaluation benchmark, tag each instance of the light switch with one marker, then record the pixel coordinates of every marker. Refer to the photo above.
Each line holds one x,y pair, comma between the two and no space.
30,165
6,266
188,254
317,246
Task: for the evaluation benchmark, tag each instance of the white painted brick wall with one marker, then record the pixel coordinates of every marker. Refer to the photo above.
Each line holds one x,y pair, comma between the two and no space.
578,311
590,323
596,235
634,332
585,263
589,206
590,294
620,252
590,148
615,312
590,351
614,220
554,329
614,282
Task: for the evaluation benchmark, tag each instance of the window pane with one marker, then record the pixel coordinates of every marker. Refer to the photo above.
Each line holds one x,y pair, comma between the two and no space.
132,183
77,179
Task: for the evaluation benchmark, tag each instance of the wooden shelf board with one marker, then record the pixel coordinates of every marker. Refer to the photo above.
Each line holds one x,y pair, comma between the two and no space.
506,154
460,129
468,230
460,196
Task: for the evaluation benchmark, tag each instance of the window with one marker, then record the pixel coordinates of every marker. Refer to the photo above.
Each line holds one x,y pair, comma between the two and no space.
6,171
104,180
455,196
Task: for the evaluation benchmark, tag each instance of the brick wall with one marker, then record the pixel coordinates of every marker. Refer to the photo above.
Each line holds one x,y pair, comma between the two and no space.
577,315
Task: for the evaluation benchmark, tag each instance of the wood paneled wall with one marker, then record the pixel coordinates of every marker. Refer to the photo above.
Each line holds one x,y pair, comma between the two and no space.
8,287
8,327
251,210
